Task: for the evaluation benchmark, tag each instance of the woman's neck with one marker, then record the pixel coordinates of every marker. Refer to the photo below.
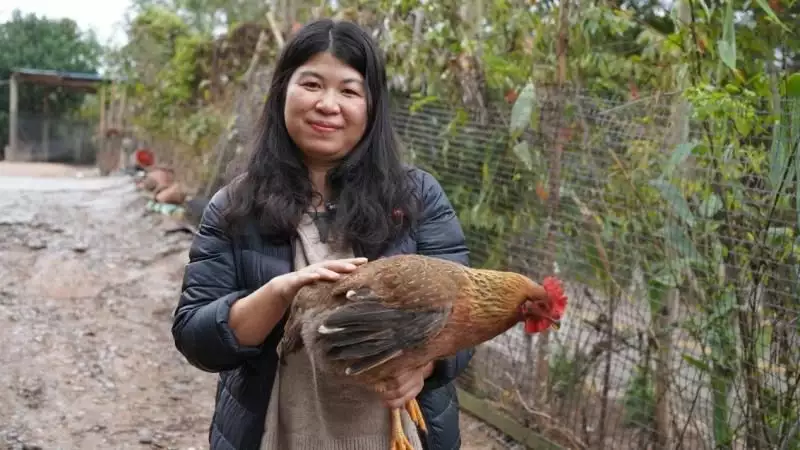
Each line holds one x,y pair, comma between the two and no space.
319,181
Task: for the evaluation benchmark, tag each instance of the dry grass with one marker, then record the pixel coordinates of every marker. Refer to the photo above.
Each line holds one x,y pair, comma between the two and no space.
476,435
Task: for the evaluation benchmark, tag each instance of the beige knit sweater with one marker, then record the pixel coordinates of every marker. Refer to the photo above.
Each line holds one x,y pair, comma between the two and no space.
308,411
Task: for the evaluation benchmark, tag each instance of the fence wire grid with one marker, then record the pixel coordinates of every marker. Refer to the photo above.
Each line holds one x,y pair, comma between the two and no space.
676,235
43,138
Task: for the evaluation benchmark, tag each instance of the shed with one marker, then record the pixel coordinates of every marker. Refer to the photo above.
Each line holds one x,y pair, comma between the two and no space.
74,81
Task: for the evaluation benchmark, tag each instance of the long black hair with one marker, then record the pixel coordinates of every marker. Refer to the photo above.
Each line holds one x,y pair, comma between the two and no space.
371,187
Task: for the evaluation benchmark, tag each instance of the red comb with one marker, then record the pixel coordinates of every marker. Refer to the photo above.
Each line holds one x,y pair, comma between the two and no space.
557,304
555,293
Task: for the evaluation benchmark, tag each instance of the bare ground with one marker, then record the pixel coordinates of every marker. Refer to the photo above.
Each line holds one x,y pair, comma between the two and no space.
88,283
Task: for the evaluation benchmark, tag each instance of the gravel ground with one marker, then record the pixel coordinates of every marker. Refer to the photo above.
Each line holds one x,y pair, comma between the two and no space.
89,283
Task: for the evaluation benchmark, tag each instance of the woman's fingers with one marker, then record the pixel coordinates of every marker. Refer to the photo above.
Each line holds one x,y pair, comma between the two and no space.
327,274
398,397
328,270
303,278
401,388
357,261
343,265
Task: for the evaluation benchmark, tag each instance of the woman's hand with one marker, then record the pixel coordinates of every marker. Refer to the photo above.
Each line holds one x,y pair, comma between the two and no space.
253,317
405,386
286,286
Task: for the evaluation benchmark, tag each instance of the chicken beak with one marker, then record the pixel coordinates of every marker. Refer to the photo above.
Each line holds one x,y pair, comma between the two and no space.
555,325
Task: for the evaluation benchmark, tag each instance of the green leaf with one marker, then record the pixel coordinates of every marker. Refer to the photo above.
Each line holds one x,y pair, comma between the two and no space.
727,45
522,111
727,53
770,13
523,153
777,155
797,178
780,235
710,206
696,363
657,286
744,125
421,102
793,85
720,387
677,239
675,200
785,137
677,158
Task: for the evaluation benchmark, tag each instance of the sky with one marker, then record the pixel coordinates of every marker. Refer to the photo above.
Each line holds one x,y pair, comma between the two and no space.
104,16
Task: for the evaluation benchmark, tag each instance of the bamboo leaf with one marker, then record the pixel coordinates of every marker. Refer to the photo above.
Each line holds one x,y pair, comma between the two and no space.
795,136
696,363
675,200
778,236
523,153
770,13
785,137
793,86
421,102
677,239
720,387
727,53
777,155
677,158
522,111
727,45
710,206
797,178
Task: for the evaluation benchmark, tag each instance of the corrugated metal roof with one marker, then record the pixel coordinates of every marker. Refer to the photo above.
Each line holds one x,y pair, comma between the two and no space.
77,76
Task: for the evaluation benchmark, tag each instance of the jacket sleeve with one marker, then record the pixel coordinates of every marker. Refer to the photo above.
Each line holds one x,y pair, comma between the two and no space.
439,234
200,325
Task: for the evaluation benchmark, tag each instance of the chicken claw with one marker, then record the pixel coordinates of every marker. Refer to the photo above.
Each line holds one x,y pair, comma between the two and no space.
416,415
399,439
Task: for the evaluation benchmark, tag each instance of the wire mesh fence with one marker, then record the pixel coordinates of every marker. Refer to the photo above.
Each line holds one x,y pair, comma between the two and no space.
678,245
675,230
55,139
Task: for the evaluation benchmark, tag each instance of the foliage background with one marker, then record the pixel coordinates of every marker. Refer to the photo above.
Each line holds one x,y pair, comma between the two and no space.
647,154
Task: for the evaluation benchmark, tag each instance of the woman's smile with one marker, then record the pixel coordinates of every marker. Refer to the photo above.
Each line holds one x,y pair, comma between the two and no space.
323,127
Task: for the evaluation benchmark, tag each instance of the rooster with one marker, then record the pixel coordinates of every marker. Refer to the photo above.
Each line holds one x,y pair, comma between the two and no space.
407,310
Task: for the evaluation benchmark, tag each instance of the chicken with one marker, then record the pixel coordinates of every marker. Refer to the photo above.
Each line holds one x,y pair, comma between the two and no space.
407,310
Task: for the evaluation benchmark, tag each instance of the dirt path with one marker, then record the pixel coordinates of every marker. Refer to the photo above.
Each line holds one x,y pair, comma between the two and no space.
89,283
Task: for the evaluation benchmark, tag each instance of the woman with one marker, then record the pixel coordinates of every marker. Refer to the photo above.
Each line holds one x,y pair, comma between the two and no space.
324,191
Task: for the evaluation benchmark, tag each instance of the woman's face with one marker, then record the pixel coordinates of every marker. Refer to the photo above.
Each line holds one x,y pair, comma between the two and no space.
326,108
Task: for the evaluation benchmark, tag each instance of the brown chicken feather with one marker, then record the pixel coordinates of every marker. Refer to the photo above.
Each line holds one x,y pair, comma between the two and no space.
405,311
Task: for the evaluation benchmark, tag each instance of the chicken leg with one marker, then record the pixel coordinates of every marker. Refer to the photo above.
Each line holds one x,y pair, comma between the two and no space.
399,439
416,415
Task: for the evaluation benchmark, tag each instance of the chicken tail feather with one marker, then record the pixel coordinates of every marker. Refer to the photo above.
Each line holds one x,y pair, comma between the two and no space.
367,334
361,314
366,364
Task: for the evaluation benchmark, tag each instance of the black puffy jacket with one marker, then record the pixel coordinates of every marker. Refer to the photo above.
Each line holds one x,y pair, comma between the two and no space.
223,268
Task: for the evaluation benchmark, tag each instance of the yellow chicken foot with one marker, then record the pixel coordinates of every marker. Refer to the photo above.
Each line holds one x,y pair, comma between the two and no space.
399,439
416,414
